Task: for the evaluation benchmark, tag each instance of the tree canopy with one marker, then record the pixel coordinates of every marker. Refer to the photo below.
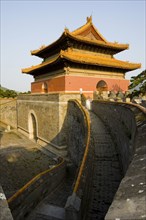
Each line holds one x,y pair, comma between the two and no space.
8,93
138,84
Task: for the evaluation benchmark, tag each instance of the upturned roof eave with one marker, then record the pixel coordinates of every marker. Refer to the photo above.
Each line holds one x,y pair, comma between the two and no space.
130,68
30,70
61,56
41,50
115,46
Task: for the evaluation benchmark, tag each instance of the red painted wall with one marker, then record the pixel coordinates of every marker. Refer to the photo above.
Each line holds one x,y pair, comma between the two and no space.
54,85
74,83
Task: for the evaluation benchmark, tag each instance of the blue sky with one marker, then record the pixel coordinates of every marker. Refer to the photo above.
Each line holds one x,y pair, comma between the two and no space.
27,25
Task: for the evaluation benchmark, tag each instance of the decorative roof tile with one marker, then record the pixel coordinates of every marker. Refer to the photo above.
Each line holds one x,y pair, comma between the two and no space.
78,57
85,34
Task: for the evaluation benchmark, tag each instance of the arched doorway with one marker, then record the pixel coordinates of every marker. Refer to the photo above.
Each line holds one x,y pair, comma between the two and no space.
102,86
44,87
32,126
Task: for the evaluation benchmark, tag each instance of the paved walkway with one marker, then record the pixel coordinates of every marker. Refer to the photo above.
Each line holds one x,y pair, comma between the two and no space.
20,161
106,173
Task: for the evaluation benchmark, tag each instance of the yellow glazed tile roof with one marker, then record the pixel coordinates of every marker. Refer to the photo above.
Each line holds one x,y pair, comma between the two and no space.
82,58
78,35
88,26
43,64
98,60
101,43
116,46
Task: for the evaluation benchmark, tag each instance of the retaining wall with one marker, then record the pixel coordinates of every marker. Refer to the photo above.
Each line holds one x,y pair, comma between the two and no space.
129,201
81,154
23,201
50,111
127,126
8,112
5,213
120,121
77,129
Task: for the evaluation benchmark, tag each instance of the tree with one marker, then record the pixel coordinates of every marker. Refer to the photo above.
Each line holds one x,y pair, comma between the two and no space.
138,84
8,93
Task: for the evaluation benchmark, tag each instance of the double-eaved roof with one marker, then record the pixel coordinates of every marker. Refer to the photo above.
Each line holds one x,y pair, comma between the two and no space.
76,57
88,35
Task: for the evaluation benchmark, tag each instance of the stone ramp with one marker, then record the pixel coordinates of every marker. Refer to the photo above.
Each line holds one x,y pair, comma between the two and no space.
106,179
106,174
50,212
54,201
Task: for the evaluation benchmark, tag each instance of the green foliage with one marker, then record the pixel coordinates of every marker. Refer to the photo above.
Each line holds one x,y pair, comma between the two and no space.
7,93
138,84
28,92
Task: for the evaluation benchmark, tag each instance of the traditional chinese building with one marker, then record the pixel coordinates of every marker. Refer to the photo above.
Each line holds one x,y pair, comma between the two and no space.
82,60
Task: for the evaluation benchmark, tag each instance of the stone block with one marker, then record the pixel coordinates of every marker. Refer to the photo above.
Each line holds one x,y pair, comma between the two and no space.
72,207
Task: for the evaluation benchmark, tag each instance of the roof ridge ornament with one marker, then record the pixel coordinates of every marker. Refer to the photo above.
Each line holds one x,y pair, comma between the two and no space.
66,30
89,19
42,47
61,53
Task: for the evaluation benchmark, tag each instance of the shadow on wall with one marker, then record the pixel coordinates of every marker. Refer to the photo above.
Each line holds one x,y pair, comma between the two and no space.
73,133
129,201
121,123
31,162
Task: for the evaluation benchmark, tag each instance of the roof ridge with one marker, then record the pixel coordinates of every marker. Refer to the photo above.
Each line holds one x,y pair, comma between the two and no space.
78,29
88,24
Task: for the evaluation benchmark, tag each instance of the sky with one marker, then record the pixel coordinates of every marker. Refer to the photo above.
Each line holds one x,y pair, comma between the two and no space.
27,25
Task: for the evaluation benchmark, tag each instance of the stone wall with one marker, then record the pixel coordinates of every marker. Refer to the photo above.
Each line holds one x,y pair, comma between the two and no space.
127,124
46,112
81,154
49,111
129,201
76,127
8,112
22,203
120,121
122,128
5,213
